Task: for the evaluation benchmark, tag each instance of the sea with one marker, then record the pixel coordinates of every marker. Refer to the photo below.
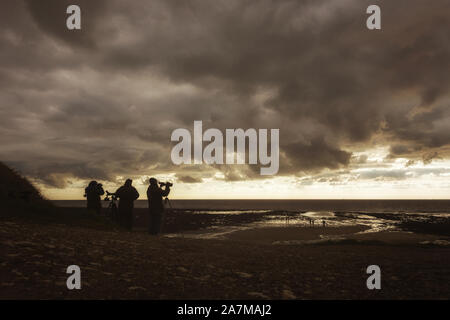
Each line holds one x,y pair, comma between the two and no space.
372,206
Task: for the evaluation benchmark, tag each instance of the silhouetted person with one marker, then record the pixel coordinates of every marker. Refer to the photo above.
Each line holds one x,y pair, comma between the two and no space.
155,197
126,194
92,193
323,223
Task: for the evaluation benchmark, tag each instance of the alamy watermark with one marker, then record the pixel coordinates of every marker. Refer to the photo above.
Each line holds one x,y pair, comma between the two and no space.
234,151
74,280
73,21
374,280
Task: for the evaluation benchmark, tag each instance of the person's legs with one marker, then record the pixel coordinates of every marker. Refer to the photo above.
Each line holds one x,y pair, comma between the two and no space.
98,209
151,223
120,214
91,208
161,222
124,218
129,220
155,221
158,223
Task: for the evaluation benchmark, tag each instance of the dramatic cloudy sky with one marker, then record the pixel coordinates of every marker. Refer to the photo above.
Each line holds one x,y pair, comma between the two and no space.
362,114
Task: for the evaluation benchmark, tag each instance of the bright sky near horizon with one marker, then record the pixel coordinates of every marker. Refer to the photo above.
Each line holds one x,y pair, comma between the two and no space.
382,180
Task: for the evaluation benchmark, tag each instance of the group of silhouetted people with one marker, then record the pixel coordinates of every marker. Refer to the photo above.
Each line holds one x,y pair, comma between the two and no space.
127,194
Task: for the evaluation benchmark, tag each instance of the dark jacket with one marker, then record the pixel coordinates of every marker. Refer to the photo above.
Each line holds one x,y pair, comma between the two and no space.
127,195
155,197
93,193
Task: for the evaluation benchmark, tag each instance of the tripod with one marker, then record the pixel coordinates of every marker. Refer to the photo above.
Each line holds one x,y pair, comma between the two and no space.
167,201
112,211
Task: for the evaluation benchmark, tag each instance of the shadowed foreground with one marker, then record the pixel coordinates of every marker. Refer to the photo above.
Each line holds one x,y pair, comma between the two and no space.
122,265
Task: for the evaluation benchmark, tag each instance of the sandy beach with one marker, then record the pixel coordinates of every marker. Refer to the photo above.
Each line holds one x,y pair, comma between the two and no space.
247,264
304,235
270,235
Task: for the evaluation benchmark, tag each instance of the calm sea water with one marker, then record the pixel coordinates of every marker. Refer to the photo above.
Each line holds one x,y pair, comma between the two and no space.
373,206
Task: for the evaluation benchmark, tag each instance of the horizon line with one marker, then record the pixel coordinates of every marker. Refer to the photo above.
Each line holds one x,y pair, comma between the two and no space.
287,199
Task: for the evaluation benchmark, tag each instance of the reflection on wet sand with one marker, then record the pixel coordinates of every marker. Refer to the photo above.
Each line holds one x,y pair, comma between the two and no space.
288,227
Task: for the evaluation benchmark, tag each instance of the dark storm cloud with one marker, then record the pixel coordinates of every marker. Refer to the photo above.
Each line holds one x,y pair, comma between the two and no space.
315,155
319,58
103,101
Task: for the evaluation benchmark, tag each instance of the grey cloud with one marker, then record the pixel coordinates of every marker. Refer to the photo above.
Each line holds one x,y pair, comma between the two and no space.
50,16
188,179
410,163
313,155
103,101
384,174
360,160
428,158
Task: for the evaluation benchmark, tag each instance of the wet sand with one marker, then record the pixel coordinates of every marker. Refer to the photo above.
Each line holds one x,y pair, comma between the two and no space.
268,235
400,238
356,234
